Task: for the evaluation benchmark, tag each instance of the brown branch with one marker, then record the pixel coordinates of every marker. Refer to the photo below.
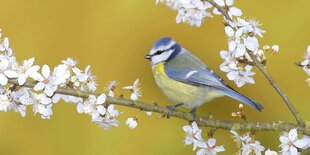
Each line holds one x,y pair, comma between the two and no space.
299,120
202,121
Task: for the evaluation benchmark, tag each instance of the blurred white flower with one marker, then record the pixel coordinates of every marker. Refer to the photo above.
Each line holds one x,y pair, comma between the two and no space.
27,70
106,122
88,80
111,112
193,12
5,47
148,113
290,143
4,103
252,147
250,26
270,152
240,140
5,72
193,136
228,6
306,62
71,65
242,77
132,123
210,148
93,106
47,82
136,92
275,48
111,87
42,104
66,98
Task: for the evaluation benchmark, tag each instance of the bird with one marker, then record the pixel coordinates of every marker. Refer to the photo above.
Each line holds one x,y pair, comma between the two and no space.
186,80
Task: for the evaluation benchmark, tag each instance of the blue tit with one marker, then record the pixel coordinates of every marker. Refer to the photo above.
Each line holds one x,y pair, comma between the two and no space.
186,80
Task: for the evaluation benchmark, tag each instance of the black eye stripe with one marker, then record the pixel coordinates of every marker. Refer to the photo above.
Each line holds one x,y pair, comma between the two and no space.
159,52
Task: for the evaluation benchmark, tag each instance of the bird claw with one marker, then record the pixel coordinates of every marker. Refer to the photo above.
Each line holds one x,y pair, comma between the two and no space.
193,112
172,108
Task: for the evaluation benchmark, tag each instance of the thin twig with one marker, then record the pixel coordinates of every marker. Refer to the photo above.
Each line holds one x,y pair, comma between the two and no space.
278,89
202,121
299,120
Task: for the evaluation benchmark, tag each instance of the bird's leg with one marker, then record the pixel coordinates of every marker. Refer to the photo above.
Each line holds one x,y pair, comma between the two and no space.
193,112
172,108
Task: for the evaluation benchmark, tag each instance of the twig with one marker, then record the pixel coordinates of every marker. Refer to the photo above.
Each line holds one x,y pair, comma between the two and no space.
202,121
278,89
299,120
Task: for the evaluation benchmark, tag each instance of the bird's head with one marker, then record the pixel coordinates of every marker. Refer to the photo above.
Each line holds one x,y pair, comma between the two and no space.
163,50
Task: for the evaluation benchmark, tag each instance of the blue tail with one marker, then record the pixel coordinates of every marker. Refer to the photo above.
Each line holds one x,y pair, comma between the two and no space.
237,96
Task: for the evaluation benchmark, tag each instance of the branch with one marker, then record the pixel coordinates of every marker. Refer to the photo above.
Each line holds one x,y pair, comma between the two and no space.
299,120
278,89
201,120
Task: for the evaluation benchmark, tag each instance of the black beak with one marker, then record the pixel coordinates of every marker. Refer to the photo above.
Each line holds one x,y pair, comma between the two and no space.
147,56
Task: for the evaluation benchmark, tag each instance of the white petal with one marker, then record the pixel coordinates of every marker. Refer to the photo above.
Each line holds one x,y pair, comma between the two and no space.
211,142
235,11
39,86
10,74
80,108
220,2
292,134
46,71
216,11
33,69
3,79
301,143
37,76
49,91
101,109
229,2
22,79
229,31
101,99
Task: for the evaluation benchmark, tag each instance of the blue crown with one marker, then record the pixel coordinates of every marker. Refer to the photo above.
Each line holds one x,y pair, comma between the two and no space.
162,42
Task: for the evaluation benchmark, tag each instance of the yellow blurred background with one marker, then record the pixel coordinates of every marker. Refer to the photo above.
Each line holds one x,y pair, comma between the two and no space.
113,37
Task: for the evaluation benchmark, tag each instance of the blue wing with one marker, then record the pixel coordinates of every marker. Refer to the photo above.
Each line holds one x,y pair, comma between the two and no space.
189,69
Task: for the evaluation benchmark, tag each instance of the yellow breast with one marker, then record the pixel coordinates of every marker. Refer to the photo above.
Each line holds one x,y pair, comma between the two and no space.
178,92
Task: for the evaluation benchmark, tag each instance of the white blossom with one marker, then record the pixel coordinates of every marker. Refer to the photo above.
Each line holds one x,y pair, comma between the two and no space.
252,147
290,143
132,123
105,123
228,6
111,87
5,72
71,65
88,80
136,92
210,148
4,103
270,152
193,136
42,104
148,113
27,70
4,47
242,77
47,82
93,106
193,12
306,62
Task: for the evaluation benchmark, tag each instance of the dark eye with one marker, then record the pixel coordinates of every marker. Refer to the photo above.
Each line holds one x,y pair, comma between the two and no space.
159,52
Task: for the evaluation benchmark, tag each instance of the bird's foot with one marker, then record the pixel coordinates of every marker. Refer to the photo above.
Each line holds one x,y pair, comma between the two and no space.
172,108
193,112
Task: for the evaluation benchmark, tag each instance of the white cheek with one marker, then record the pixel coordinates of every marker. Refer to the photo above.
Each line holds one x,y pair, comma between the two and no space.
162,57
